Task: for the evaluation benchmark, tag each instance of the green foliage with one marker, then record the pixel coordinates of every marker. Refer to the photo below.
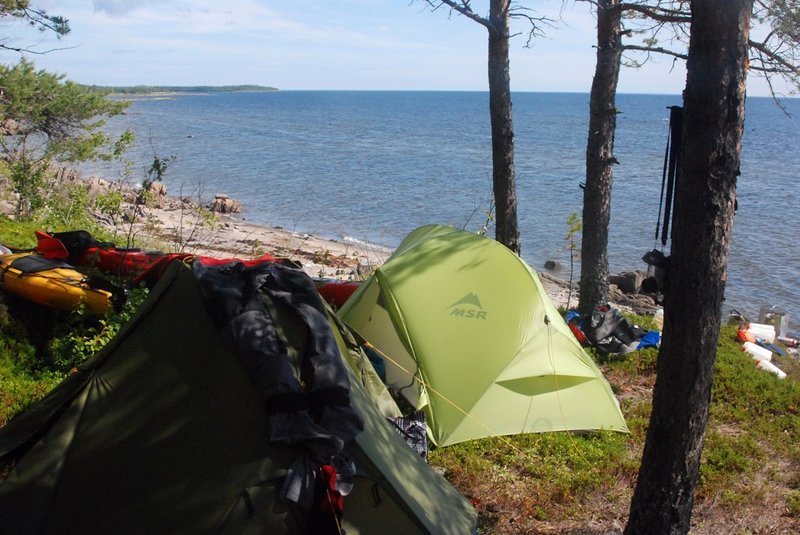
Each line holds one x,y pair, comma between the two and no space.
46,104
20,391
23,379
80,341
34,17
793,503
323,257
69,209
640,362
745,396
55,120
726,458
574,227
122,144
15,351
157,170
553,466
81,335
29,178
110,205
18,234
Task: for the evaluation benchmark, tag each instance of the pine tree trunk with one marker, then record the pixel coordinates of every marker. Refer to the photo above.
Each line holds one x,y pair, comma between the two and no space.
503,173
600,158
703,218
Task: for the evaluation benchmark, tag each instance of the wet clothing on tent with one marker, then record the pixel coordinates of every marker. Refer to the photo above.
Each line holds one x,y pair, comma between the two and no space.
313,409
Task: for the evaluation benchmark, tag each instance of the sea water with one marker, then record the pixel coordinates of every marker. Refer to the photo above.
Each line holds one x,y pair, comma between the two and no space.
373,165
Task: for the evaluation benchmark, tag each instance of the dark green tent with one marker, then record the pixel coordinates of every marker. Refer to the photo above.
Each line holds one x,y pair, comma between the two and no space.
164,431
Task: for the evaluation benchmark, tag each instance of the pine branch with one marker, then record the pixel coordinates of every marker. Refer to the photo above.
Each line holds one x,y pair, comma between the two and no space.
656,50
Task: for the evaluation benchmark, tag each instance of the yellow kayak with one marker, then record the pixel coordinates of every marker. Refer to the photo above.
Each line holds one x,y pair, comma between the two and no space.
50,283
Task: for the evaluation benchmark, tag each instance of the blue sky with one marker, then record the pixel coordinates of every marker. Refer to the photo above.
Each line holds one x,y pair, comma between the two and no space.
319,44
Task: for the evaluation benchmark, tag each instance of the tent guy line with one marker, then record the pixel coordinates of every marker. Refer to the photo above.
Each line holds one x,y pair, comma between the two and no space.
490,430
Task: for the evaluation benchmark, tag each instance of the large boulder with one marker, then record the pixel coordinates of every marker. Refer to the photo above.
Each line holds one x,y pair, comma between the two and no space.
629,282
225,205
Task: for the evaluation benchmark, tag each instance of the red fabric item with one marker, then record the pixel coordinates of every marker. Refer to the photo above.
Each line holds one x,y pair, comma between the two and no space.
578,334
326,518
336,292
135,264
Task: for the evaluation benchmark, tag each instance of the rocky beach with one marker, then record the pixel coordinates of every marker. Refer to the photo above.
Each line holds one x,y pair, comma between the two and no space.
219,229
233,236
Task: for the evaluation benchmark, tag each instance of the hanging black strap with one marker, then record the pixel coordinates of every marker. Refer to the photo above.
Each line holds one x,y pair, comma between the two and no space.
663,184
670,170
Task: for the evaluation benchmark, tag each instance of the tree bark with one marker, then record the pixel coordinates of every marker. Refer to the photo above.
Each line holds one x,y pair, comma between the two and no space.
600,157
705,193
503,172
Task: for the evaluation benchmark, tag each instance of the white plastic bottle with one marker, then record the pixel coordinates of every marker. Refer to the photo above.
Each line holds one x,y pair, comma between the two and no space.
659,319
762,330
770,367
756,351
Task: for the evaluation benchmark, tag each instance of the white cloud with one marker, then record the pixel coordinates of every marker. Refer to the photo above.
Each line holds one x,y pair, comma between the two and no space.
120,7
317,44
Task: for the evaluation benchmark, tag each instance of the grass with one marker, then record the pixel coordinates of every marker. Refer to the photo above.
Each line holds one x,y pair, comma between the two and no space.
583,483
23,377
39,348
18,234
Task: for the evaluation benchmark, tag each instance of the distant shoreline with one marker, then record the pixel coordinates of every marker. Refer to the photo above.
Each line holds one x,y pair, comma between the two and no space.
165,90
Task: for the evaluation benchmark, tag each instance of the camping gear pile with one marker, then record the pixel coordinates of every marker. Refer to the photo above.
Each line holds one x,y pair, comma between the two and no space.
608,331
237,401
80,248
762,341
53,274
49,274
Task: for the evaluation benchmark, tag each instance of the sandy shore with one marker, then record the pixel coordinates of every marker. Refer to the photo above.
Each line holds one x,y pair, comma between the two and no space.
233,236
176,225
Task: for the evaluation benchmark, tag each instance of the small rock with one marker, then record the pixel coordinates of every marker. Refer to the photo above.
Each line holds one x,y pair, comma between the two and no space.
9,127
552,265
133,213
97,185
159,189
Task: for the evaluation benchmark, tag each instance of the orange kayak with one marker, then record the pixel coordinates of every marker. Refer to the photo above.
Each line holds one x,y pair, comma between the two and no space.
51,283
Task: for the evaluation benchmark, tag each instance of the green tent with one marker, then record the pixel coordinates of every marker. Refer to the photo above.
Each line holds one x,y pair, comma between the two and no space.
164,431
467,333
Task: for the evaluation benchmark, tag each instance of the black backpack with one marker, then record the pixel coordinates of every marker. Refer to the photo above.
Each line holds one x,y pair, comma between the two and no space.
608,330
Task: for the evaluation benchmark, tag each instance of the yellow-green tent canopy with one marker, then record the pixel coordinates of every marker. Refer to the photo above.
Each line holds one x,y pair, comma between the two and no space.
468,333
